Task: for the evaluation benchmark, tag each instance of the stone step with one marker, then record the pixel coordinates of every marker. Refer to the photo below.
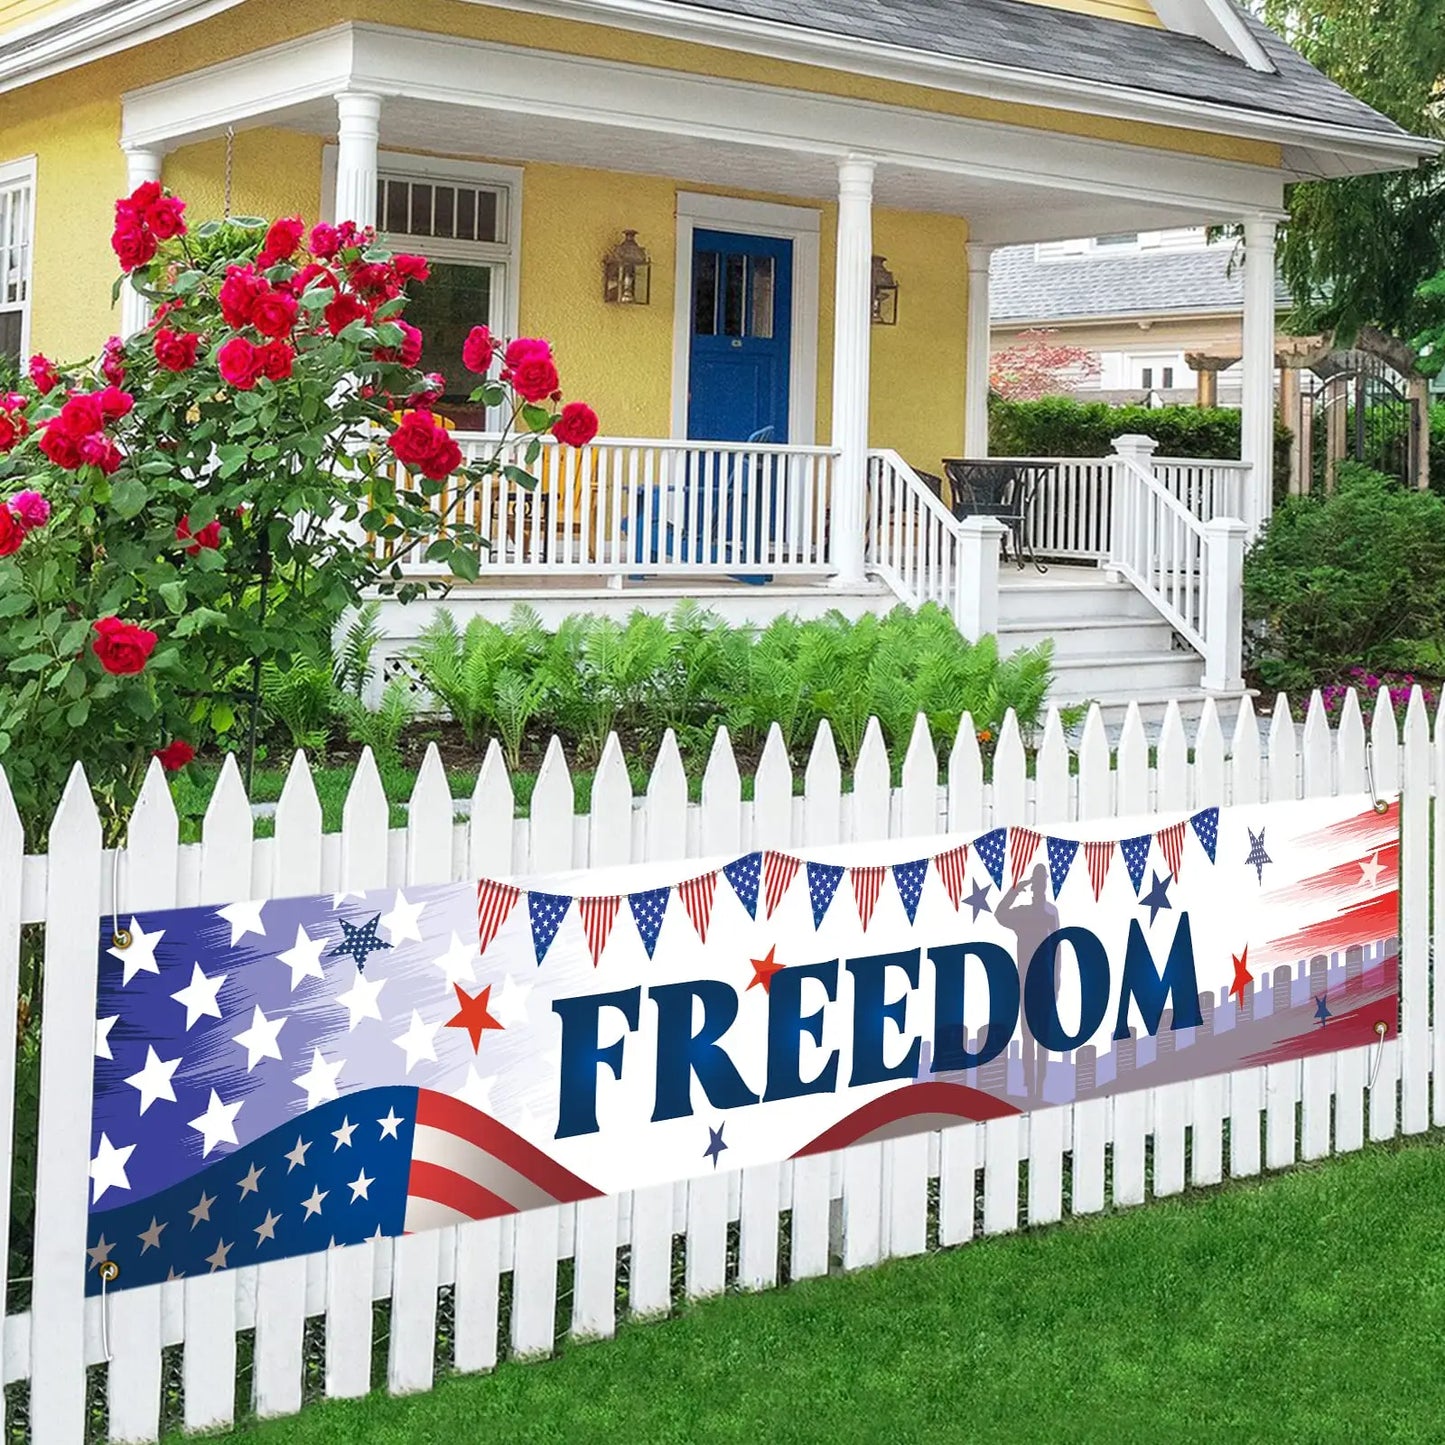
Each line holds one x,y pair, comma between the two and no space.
1085,636
1040,600
1120,676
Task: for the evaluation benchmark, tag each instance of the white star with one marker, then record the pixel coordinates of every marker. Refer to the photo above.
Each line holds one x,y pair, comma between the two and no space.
1370,871
217,1260
99,1252
390,1124
401,922
171,1274
343,1134
250,1182
199,995
202,1210
378,1234
360,999
140,957
297,1156
244,918
259,1041
510,1006
107,1169
457,962
418,1041
319,1080
313,1204
337,899
304,959
267,1229
102,1036
475,1090
218,1123
359,1186
151,1238
154,1081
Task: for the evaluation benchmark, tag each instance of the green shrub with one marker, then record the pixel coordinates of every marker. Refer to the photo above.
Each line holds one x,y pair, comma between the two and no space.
1352,579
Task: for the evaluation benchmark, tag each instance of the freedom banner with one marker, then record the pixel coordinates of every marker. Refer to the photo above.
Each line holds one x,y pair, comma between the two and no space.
281,1076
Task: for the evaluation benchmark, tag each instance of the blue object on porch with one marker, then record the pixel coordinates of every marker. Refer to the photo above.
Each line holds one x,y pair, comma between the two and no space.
751,485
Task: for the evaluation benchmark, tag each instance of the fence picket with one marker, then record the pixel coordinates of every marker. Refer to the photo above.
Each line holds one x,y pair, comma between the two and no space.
1415,919
1046,1165
12,863
773,794
1001,1139
918,794
1010,775
965,780
1053,801
665,807
1132,765
705,1272
722,800
1437,934
1096,779
811,1217
490,828
869,806
958,1164
758,1227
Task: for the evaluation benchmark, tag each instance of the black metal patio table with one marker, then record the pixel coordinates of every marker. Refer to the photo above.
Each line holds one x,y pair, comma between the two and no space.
1002,487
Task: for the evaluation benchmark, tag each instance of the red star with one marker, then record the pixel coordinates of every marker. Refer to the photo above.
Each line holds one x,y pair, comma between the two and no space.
764,969
1242,977
473,1015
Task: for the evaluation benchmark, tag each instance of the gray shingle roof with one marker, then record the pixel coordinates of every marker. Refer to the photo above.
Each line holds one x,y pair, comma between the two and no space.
1024,289
1028,36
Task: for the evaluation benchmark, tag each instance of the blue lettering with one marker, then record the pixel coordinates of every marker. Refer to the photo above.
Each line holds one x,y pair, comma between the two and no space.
682,1053
582,1055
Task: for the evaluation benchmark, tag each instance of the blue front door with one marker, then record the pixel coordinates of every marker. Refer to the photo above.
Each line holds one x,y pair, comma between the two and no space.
742,309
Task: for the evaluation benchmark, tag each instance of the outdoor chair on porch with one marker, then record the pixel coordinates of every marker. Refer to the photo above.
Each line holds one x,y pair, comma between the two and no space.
998,488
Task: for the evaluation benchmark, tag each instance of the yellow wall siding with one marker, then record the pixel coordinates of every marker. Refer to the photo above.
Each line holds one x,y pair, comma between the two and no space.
273,173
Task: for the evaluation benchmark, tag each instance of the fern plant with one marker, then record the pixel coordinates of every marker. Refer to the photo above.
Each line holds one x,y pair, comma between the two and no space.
379,728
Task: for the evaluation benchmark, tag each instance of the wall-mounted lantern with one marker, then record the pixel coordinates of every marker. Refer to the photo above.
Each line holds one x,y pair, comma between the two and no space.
627,273
885,294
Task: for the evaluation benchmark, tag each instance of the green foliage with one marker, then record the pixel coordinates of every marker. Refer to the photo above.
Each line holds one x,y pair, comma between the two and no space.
379,728
1352,579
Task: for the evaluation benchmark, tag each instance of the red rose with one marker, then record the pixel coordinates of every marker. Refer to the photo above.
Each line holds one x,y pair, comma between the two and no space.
208,537
97,450
13,401
374,281
133,245
434,390
122,647
524,349
59,445
82,414
112,361
43,375
140,200
535,379
239,293
478,350
325,241
240,363
577,425
409,352
422,443
276,359
274,314
309,275
114,403
175,755
12,534
349,235
164,218
281,241
341,312
176,350
412,268
12,430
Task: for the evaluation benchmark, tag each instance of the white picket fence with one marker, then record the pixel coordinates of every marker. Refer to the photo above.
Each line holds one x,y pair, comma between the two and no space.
845,1210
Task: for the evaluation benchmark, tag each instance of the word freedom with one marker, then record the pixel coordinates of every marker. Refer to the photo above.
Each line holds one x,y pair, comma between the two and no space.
881,984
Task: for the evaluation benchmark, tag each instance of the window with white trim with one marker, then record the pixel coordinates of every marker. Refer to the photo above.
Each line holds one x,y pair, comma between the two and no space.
17,242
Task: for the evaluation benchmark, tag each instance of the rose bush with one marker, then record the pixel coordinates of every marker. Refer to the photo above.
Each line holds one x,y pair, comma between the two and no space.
210,495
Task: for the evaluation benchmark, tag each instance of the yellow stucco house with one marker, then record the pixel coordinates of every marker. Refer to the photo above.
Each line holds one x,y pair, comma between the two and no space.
784,163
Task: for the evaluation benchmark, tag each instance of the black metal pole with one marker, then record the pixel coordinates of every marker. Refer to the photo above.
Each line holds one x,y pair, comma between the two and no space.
255,711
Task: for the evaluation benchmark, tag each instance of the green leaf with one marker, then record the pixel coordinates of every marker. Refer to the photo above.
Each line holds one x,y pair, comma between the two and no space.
223,717
128,497
77,712
12,604
32,662
536,418
465,564
232,458
174,596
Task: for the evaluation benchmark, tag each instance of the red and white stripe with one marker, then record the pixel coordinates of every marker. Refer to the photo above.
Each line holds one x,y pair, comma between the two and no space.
1098,856
1171,844
867,884
495,902
1023,843
952,868
598,916
697,895
779,870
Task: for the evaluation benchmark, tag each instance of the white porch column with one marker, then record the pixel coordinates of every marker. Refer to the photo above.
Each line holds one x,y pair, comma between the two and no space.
141,165
975,609
975,383
852,337
1256,422
358,135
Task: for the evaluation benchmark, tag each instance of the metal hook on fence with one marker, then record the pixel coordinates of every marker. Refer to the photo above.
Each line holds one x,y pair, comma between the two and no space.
119,936
1379,805
1381,1029
109,1271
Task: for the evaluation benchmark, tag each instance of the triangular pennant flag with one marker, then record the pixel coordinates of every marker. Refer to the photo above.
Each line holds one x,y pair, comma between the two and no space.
697,895
990,851
779,870
495,902
1171,844
909,878
823,881
547,910
1098,856
1062,852
598,916
745,874
1023,843
1206,829
867,884
1136,855
953,870
648,909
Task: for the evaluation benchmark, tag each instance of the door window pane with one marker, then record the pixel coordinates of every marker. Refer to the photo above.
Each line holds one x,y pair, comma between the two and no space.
704,293
763,285
11,324
456,298
735,274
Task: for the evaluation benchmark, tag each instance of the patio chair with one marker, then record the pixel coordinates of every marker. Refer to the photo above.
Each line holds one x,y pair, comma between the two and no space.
1001,489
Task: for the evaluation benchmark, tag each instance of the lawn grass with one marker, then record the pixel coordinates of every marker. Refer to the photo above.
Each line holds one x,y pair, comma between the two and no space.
1307,1307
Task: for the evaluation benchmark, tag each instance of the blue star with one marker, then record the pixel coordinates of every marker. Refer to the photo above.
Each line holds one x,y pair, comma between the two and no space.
715,1144
1321,1012
1257,855
978,900
1156,898
358,943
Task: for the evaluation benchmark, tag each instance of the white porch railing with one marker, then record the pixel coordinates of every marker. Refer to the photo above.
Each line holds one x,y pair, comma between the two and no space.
623,507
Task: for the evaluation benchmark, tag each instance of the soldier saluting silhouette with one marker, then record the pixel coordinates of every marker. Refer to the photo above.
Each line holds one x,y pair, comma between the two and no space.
1031,922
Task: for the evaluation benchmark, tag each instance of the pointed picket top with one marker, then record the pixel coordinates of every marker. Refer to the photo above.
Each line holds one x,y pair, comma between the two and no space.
1417,724
1282,766
872,787
1133,765
76,820
491,827
365,821
1208,758
226,834
1317,750
1439,773
1350,745
665,810
1172,762
965,780
1096,781
1244,756
229,807
1010,775
153,824
722,799
823,790
773,794
918,796
1385,744
553,805
10,826
296,857
1053,791
430,829
609,825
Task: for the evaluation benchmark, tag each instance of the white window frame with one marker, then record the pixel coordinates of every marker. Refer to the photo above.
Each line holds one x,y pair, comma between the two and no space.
17,175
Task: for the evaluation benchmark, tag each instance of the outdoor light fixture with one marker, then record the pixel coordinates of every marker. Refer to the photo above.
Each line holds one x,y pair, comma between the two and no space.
627,273
885,294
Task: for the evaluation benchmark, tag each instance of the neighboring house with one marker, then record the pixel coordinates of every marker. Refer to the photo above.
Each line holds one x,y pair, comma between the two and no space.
1141,302
779,160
